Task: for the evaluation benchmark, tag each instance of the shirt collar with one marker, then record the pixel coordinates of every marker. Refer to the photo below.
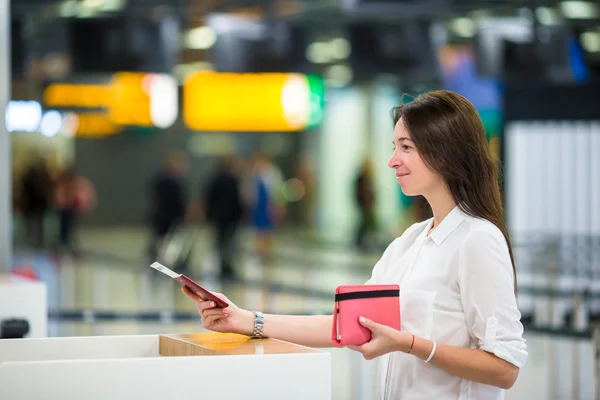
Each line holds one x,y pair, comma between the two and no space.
448,225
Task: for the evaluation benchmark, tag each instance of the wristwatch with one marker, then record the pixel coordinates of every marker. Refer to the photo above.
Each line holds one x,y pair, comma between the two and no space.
259,322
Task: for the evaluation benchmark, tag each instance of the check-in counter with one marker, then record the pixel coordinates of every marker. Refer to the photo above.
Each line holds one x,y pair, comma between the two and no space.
196,366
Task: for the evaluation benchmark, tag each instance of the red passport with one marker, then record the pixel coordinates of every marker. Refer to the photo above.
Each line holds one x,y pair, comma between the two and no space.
204,294
379,303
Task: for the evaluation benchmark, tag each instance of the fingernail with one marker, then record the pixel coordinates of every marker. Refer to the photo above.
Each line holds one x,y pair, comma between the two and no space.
225,312
212,303
361,319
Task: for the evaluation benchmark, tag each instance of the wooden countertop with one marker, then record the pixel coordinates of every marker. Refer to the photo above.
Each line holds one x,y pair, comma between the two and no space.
202,344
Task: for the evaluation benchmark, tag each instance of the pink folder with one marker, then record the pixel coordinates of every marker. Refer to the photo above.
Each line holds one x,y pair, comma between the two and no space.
379,303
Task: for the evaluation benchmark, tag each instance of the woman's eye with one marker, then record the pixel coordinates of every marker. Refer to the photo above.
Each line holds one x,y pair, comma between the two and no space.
405,147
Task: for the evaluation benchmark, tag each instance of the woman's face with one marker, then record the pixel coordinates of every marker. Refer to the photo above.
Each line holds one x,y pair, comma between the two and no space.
413,175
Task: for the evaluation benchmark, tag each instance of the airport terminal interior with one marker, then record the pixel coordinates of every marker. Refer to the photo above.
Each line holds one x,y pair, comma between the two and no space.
245,144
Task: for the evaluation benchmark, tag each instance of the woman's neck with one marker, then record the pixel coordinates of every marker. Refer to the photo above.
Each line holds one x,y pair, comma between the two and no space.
441,204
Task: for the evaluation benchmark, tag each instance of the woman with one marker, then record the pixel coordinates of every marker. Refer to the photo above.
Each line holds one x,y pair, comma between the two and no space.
266,207
365,199
75,196
461,335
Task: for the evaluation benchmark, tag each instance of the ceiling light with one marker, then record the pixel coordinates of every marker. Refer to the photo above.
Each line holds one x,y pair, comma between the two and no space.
319,53
68,8
579,9
340,48
201,38
93,3
547,16
51,123
464,27
113,5
23,116
590,41
339,75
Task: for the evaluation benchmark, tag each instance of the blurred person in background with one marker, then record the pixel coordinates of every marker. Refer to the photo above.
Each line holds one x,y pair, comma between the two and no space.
75,196
224,210
265,202
168,201
304,173
36,197
364,187
461,336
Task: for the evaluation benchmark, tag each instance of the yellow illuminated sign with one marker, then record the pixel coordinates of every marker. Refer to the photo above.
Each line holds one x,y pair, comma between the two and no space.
69,95
246,102
95,125
212,101
131,98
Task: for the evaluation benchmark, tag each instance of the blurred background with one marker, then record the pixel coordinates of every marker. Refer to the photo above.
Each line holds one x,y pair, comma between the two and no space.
245,144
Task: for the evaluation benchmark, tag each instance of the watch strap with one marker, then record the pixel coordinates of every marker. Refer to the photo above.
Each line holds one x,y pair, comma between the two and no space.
259,322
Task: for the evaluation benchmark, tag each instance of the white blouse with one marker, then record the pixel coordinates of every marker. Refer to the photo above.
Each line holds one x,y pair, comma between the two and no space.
457,288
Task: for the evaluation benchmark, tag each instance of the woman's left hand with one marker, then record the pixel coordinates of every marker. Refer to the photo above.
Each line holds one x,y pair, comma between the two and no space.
384,339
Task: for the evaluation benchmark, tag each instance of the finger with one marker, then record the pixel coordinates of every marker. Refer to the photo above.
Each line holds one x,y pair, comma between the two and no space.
215,311
367,323
191,295
197,293
204,305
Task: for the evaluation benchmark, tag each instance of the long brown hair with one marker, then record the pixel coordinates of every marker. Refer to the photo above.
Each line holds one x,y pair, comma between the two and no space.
450,138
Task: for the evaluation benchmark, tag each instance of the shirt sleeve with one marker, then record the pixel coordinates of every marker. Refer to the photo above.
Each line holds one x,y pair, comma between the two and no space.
486,282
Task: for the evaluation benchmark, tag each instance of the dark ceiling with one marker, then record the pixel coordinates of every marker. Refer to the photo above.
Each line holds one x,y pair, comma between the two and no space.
312,8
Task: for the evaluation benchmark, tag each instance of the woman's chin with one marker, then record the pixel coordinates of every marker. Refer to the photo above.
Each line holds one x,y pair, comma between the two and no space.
408,192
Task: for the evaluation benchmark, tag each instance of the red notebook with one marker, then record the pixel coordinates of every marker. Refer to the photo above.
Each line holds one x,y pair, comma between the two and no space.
379,303
193,286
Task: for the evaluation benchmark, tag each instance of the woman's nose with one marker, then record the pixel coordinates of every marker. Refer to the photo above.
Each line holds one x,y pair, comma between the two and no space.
394,161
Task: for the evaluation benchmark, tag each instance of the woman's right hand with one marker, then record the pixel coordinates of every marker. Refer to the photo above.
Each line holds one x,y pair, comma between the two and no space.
231,319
